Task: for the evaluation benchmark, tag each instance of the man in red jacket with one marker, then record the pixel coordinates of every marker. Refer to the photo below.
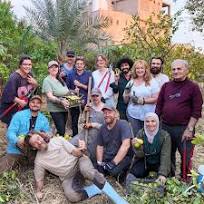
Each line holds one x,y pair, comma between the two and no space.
179,106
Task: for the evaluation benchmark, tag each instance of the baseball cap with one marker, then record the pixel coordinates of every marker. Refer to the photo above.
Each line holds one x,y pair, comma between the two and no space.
36,97
96,91
109,107
51,63
70,53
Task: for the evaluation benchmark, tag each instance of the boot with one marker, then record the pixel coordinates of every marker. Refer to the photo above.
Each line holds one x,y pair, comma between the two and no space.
128,182
92,190
112,194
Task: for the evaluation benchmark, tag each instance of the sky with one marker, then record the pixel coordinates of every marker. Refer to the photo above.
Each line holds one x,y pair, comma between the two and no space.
183,35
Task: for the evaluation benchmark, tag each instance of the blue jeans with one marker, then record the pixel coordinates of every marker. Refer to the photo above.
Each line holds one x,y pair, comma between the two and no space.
136,124
60,119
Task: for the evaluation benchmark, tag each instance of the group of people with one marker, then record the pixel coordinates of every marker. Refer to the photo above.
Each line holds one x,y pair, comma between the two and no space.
138,103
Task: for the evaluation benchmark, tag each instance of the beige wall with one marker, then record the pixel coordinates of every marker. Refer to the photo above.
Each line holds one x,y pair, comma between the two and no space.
126,6
121,13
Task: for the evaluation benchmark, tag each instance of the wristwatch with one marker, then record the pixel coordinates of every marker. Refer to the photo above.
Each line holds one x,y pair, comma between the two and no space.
190,129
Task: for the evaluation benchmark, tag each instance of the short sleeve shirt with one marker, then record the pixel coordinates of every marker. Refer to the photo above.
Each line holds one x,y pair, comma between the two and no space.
112,139
57,89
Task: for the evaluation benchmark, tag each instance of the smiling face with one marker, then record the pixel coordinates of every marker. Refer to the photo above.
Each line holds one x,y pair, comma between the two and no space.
109,116
26,66
179,72
140,70
80,65
35,105
101,62
151,124
53,70
96,99
37,142
125,67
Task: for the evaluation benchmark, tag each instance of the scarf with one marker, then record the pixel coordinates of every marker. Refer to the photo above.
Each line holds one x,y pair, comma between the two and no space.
151,134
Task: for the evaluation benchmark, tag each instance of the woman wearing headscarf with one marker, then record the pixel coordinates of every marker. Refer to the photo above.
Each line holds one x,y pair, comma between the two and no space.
155,152
121,80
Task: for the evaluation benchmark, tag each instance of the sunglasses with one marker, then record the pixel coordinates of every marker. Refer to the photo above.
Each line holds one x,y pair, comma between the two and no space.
95,95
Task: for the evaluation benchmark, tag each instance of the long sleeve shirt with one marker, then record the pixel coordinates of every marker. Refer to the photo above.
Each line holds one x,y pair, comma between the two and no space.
179,101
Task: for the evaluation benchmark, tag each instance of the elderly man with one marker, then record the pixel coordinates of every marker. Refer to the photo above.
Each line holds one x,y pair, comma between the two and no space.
156,64
21,124
179,106
65,160
113,144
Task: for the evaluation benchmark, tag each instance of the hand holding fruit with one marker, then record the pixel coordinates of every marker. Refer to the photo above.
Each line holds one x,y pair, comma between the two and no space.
137,143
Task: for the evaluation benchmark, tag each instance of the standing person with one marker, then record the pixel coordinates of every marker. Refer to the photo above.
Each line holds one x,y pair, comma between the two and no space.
78,80
179,106
154,154
21,124
124,64
96,120
19,85
113,143
141,95
72,162
102,78
69,65
156,65
54,88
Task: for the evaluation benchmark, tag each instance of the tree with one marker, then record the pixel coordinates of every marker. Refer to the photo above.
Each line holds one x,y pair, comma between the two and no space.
196,10
153,38
16,39
64,22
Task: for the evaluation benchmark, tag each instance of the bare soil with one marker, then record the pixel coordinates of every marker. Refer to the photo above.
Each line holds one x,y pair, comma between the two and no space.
53,193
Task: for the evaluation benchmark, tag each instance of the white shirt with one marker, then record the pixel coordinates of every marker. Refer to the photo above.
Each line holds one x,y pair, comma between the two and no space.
107,95
161,79
138,111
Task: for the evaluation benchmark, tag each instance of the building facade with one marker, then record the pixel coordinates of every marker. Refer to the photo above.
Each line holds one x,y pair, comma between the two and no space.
120,13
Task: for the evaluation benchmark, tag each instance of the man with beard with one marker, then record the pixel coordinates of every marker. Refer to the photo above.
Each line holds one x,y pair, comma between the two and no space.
156,69
71,165
113,144
21,124
120,83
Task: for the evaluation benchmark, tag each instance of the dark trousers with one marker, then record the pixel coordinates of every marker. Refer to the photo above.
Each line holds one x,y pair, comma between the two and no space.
75,112
140,171
136,124
60,119
176,133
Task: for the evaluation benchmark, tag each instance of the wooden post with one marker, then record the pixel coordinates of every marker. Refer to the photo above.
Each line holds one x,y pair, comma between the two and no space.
88,103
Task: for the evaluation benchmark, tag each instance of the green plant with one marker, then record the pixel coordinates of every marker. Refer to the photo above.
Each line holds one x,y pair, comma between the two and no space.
9,187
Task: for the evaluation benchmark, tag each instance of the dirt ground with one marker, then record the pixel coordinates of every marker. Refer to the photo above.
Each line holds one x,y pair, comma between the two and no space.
53,193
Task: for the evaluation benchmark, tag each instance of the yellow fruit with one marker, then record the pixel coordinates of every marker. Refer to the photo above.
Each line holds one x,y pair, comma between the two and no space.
137,145
67,137
140,141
